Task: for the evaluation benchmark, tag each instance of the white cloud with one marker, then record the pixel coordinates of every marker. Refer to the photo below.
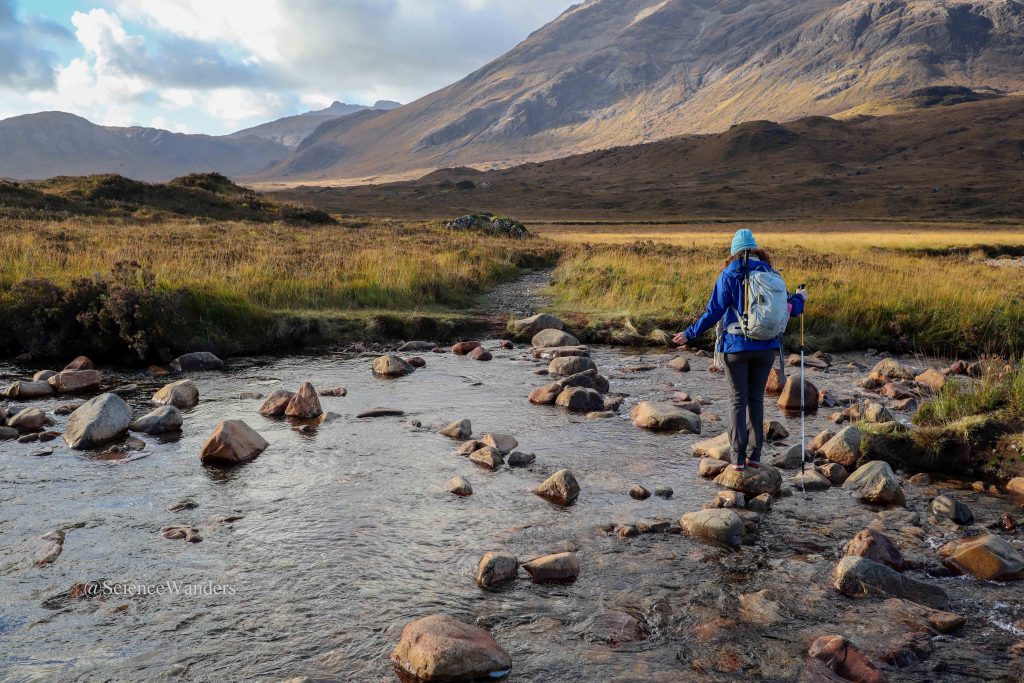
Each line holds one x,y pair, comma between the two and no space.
235,105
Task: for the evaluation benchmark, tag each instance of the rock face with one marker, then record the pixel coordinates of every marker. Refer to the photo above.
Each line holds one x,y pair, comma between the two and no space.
74,381
34,389
752,482
460,486
876,483
439,648
858,577
948,507
200,360
844,447
546,339
528,328
721,526
27,420
789,400
160,421
461,430
305,404
182,394
233,442
580,400
560,488
98,421
496,568
665,417
987,557
391,365
876,547
553,568
565,366
276,403
842,657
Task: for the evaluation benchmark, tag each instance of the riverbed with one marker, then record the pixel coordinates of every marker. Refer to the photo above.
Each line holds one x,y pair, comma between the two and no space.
315,555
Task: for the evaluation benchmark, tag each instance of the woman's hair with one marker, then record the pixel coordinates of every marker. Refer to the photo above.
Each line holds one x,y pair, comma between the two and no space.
759,254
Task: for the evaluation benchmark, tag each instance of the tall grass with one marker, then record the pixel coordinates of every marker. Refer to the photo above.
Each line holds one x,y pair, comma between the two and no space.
999,390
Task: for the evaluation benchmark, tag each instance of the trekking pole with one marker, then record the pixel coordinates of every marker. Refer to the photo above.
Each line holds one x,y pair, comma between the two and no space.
803,410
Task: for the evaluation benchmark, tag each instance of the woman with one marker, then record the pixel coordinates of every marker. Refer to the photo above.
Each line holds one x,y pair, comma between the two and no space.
748,362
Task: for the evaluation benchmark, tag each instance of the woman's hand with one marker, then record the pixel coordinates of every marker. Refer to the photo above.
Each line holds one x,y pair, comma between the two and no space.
680,339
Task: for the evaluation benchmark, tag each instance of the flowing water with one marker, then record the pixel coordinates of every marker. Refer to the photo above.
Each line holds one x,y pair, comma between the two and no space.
316,554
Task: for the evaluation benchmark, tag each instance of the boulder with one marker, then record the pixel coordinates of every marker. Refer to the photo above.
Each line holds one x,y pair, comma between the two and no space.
558,567
98,421
721,526
528,328
487,457
775,383
1016,486
893,369
665,417
679,364
417,362
752,482
305,404
23,389
580,400
80,363
43,375
570,365
391,365
834,472
560,488
467,448
859,577
496,568
728,499
587,379
546,395
416,347
505,443
74,381
761,503
200,360
844,447
480,353
276,403
520,459
948,507
932,380
27,420
842,657
710,468
662,491
876,483
160,421
638,492
439,648
789,459
872,412
789,400
548,339
460,486
717,448
987,557
464,347
460,430
811,480
877,547
233,442
182,394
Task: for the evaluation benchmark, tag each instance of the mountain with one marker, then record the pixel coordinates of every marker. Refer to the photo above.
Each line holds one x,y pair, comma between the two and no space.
292,130
55,143
621,72
951,158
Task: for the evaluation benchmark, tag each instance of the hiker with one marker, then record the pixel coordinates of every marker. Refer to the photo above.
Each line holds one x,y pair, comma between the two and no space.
751,306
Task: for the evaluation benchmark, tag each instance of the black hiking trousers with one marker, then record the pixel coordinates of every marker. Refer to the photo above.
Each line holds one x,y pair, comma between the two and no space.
748,375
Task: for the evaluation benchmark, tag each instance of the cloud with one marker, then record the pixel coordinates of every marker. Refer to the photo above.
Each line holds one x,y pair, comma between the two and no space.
24,65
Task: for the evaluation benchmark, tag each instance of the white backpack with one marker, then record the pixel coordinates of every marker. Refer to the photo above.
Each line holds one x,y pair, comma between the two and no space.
767,308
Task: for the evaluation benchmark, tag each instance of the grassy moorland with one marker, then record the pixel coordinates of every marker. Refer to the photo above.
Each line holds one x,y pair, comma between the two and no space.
925,287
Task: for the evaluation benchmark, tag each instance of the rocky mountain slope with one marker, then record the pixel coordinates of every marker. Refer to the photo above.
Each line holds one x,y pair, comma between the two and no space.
943,160
55,143
619,72
292,130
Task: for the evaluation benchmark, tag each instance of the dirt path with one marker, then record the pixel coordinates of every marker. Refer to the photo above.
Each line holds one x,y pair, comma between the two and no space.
519,298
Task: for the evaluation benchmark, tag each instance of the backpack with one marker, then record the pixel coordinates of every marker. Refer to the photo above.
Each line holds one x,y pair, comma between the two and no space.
767,308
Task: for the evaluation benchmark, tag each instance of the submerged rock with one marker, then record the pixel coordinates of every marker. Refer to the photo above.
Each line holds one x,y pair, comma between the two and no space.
496,568
580,400
381,411
162,420
182,394
391,365
98,421
876,483
553,568
460,486
276,403
665,417
200,360
842,657
233,442
505,443
439,648
487,457
560,488
717,525
416,346
460,430
988,557
859,577
663,491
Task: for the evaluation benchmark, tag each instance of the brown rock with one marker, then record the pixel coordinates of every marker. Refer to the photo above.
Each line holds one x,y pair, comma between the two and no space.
790,398
553,568
842,657
546,395
665,417
336,391
505,443
834,472
480,353
932,380
679,364
892,369
276,403
896,391
877,547
580,400
495,569
638,492
80,363
182,394
710,468
487,457
232,442
1016,486
460,486
74,381
391,365
416,362
464,347
460,430
560,488
469,447
439,648
304,404
775,383
987,557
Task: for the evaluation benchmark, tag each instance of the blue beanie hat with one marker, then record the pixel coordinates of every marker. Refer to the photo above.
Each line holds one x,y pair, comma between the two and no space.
743,241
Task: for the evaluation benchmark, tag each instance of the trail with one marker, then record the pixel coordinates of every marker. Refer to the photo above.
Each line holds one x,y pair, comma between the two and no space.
520,298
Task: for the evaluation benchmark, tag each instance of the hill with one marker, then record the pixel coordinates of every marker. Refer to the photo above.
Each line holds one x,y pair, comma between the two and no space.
937,162
292,130
624,72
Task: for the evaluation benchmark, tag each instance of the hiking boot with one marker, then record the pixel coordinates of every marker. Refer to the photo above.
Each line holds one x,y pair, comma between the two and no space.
740,467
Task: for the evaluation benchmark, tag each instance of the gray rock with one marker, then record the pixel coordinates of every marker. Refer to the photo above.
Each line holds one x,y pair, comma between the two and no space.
460,430
551,568
43,375
665,417
98,421
710,468
487,457
789,459
580,400
182,394
527,328
948,507
752,482
811,480
546,339
199,360
505,443
496,568
23,389
844,447
8,433
717,526
391,365
416,346
381,411
570,365
638,492
876,483
859,577
27,420
163,419
560,488
663,491
520,459
717,448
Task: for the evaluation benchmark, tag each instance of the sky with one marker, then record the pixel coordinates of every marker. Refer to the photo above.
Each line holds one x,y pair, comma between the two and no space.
216,66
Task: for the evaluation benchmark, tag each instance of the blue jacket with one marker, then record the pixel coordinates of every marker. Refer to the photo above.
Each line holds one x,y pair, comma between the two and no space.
728,296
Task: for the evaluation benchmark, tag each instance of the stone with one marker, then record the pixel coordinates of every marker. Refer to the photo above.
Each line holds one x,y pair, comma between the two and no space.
305,404
710,468
125,390
921,479
717,526
336,392
8,433
761,503
920,616
29,438
160,421
520,459
43,375
775,383
638,492
752,482
380,411
627,531
859,577
1016,486
480,353
875,413
496,569
580,400
487,457
717,448
558,351
877,547
834,472
663,491
182,505
842,657
987,557
666,417
932,380
391,365
276,403
460,486
759,608
27,420
653,526
560,488
416,347
613,403
50,548
467,448
439,648
820,440
844,447
876,483
22,389
679,364
729,499
789,459
233,442
811,480
570,365
200,360
789,400
893,369
546,395
76,381
775,430
461,430
527,328
186,533
418,362
558,567
182,394
505,443
98,421
948,507
547,339
80,363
